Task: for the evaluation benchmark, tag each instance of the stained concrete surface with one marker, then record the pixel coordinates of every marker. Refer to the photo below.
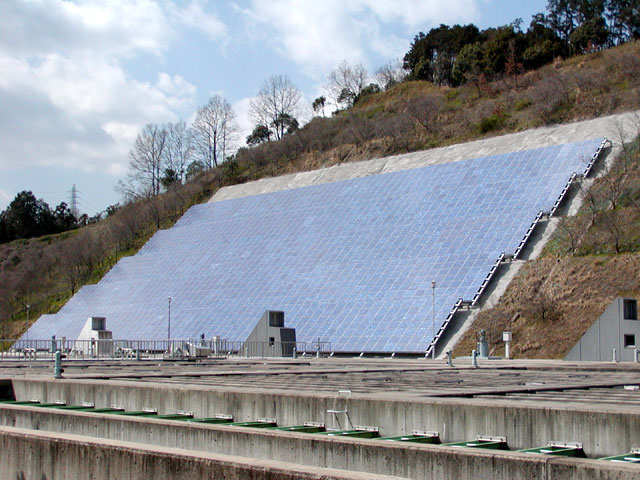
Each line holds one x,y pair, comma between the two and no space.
614,127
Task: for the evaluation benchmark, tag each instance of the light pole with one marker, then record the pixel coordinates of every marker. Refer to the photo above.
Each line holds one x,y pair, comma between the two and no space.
27,332
169,328
433,318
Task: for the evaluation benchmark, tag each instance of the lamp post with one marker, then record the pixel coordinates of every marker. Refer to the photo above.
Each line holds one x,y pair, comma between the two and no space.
169,328
433,318
27,332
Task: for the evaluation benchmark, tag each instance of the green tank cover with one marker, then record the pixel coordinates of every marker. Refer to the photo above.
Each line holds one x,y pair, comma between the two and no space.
631,457
561,450
176,416
137,413
491,443
20,402
433,439
256,424
209,420
301,428
351,433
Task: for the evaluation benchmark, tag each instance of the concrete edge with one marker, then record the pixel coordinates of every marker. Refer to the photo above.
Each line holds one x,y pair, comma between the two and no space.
396,397
441,460
240,464
610,126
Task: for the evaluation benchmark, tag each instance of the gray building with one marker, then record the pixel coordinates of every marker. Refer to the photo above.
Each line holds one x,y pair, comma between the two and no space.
270,338
618,327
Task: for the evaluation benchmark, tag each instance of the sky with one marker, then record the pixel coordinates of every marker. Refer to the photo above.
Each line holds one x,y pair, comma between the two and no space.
79,79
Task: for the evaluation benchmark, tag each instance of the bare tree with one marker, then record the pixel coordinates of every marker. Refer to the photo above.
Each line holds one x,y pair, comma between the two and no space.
145,163
215,131
72,257
179,148
573,229
542,305
390,74
613,223
346,82
277,99
425,111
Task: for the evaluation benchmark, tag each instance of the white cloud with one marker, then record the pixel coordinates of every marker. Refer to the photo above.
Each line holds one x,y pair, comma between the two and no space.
66,93
80,112
196,17
318,35
112,27
416,13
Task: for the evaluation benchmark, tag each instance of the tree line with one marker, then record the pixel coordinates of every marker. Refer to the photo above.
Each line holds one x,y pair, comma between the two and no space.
457,55
28,217
168,154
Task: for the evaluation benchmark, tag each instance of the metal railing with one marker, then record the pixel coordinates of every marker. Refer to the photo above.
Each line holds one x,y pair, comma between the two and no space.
21,349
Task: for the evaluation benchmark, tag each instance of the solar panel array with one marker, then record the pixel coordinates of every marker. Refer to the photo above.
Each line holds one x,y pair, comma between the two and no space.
349,262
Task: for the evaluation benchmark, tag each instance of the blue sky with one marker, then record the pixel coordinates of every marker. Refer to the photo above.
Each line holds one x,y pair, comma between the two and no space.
78,79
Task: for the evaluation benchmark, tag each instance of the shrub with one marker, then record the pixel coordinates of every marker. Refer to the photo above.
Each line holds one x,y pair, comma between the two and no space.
493,122
522,104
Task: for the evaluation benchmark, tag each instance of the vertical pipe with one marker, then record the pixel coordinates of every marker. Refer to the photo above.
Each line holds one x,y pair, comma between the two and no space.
57,369
27,332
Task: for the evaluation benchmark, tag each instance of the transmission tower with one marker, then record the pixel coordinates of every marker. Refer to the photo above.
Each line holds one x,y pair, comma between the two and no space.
74,201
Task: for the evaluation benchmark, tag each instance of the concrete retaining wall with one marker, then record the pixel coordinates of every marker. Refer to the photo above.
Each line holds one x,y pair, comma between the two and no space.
525,424
373,457
30,455
611,127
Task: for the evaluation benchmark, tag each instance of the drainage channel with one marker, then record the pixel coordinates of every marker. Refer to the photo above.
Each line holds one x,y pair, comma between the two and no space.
564,449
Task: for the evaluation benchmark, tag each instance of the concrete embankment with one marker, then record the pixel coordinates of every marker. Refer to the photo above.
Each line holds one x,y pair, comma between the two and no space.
256,445
525,424
29,455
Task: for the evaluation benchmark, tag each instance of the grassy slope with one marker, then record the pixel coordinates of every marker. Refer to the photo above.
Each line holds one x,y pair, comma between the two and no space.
411,116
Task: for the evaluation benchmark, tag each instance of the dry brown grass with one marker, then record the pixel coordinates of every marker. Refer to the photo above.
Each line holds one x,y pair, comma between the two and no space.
579,290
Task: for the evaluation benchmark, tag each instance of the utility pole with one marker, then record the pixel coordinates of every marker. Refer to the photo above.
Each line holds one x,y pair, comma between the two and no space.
433,319
26,335
169,328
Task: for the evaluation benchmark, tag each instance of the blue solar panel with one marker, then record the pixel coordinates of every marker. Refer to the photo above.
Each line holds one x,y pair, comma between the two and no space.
350,262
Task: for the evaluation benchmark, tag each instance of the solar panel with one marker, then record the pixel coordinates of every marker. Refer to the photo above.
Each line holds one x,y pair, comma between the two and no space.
349,262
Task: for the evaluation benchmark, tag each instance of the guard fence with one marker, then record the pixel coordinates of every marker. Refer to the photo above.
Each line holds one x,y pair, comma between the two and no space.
21,349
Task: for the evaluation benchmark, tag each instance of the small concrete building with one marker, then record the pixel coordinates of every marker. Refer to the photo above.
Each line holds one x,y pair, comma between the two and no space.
270,338
95,338
618,327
